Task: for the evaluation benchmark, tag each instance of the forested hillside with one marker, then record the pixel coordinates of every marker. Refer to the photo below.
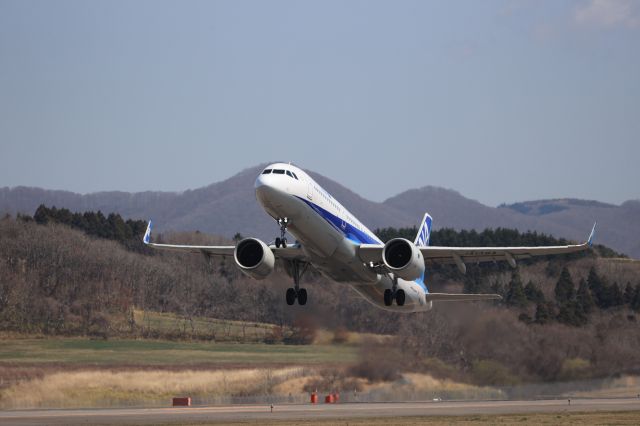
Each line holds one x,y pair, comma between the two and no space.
566,317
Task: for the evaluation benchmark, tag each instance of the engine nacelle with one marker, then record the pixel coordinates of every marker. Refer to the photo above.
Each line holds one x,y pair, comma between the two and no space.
254,258
403,258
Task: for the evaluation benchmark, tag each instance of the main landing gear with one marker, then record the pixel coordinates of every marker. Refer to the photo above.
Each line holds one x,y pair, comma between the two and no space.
394,293
297,271
281,241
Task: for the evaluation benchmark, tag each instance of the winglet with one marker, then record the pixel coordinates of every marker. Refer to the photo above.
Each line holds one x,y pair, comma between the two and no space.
147,235
593,232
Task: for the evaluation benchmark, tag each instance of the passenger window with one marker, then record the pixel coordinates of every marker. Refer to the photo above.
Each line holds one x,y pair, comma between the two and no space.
294,175
289,173
278,171
266,171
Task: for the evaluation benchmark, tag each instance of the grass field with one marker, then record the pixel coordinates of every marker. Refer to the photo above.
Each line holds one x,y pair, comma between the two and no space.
150,352
202,327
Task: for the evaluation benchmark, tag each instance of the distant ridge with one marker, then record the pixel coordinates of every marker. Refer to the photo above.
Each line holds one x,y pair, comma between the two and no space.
229,206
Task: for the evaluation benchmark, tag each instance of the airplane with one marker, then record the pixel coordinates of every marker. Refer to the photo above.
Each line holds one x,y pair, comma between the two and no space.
333,241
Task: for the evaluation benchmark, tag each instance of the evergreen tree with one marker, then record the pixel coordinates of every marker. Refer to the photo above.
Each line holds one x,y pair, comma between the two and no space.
533,293
543,313
584,298
597,288
635,303
616,296
565,290
515,292
474,282
571,314
41,216
628,294
498,288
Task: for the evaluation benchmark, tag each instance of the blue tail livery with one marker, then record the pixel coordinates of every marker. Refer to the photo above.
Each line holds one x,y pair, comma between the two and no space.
424,233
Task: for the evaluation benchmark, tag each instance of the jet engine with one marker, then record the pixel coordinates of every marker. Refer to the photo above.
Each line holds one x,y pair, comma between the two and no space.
403,258
254,258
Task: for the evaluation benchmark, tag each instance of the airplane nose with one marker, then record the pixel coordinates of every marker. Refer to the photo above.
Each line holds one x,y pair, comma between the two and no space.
262,187
260,182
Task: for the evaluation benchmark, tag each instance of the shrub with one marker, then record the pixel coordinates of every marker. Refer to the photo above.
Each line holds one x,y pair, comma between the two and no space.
492,373
574,369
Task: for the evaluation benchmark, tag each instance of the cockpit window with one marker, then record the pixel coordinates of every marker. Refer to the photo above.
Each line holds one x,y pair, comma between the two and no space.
266,171
289,173
278,171
294,175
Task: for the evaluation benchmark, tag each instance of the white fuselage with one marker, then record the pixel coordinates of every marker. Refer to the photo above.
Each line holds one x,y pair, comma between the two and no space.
330,235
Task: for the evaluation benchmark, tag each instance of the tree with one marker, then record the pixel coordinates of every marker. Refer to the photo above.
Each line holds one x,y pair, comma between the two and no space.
533,293
515,292
597,288
628,294
473,282
565,290
584,298
616,297
543,313
635,303
571,314
41,216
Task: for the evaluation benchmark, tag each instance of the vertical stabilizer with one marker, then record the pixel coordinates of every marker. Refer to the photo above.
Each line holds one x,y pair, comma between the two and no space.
424,233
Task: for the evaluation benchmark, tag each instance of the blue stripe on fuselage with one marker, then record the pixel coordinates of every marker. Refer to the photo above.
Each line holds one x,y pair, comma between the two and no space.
348,230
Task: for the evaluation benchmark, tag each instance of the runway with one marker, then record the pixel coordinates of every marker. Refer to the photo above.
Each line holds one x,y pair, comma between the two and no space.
308,412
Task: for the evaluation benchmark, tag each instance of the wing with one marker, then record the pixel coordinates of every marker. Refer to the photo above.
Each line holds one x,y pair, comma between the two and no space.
447,297
460,255
291,252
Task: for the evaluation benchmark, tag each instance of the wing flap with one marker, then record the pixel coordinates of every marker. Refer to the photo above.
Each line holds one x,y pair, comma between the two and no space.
486,254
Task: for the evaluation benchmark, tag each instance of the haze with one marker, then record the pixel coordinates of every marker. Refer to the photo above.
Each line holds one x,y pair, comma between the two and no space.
501,100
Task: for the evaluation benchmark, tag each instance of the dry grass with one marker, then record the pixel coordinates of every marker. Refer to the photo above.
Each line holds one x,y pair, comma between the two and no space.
410,386
98,388
622,387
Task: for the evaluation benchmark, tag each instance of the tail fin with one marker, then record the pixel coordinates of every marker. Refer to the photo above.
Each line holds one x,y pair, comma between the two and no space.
424,233
147,235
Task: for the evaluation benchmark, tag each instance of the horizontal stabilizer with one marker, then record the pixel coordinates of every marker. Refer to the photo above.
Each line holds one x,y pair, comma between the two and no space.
449,297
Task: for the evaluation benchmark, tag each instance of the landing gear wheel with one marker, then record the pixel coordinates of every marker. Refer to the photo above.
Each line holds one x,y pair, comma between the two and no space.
291,296
302,296
283,242
278,242
388,297
400,297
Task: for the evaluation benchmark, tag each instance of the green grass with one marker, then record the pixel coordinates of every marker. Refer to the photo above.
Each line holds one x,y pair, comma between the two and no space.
151,352
202,327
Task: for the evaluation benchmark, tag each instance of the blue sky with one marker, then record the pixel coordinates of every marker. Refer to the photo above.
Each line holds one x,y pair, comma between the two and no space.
501,100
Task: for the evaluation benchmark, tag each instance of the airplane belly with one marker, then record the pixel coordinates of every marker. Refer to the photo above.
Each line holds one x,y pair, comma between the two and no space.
415,297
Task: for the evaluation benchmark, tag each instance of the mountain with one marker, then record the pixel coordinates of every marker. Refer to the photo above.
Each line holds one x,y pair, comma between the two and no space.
229,206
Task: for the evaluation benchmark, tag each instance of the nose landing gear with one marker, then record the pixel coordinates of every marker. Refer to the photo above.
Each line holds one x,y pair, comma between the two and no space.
281,241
